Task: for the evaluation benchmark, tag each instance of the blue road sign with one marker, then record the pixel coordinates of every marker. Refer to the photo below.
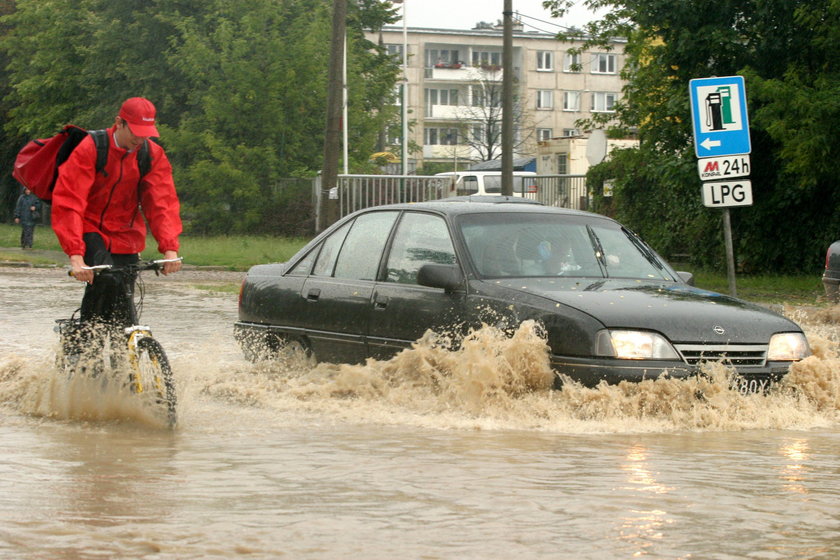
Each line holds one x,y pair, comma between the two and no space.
719,116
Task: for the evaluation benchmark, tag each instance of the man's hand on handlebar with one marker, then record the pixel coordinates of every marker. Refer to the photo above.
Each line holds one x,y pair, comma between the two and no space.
79,270
173,264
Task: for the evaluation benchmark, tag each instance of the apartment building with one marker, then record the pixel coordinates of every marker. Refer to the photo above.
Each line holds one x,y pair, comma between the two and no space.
454,80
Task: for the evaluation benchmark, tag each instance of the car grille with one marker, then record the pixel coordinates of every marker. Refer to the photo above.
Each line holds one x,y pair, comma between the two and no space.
736,355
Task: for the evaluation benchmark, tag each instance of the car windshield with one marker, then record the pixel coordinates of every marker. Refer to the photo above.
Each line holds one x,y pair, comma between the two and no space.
514,244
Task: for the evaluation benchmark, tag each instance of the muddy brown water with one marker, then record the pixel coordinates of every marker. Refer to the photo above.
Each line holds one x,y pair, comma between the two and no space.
431,455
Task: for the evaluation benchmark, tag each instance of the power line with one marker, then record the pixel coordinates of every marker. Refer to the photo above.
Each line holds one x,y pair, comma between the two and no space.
566,28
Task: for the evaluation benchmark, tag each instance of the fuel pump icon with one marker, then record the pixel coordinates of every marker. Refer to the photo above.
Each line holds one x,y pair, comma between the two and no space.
719,108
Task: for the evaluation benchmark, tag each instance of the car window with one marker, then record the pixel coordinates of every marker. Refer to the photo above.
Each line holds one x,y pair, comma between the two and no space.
493,184
329,251
362,250
625,259
303,266
517,244
420,239
468,186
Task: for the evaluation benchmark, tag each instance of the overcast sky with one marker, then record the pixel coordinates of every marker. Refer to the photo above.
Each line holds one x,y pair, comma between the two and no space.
464,14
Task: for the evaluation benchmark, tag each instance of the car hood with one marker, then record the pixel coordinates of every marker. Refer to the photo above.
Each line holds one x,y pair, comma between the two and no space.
681,312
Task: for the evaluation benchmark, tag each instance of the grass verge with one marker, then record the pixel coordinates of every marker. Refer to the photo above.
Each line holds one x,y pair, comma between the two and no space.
235,252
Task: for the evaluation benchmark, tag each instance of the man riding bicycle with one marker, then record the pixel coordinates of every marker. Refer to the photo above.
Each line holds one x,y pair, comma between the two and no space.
97,215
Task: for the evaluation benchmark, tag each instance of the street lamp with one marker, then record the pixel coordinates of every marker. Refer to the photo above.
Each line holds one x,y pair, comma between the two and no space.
404,91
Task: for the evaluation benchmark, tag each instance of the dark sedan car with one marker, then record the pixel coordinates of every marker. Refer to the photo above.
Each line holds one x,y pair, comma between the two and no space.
611,308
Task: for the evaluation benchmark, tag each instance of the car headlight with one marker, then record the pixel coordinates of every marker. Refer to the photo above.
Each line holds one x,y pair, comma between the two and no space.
788,347
634,345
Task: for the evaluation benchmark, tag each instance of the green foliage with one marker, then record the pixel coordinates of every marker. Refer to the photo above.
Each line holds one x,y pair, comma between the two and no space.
786,51
240,89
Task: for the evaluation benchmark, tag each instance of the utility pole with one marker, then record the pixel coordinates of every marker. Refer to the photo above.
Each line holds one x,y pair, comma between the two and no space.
328,207
507,100
404,89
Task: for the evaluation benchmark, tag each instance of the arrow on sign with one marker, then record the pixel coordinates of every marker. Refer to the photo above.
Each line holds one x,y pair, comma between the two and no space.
708,143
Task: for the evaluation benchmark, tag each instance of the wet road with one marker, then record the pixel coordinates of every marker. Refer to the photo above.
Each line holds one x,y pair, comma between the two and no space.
378,461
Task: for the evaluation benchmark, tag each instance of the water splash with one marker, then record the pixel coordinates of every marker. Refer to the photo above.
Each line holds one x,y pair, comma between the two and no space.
37,388
493,381
498,382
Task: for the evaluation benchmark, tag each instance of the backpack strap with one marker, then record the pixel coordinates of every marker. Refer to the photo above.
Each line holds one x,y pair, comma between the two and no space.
144,159
100,138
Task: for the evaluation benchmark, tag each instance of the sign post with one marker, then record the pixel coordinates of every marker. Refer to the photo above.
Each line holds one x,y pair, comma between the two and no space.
722,145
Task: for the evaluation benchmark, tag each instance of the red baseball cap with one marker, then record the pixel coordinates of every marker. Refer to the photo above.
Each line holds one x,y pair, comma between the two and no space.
139,113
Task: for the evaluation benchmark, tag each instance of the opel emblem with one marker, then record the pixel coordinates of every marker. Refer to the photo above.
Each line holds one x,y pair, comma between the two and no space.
718,330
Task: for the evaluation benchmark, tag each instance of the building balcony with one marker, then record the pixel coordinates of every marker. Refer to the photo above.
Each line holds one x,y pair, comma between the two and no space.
439,151
463,73
458,112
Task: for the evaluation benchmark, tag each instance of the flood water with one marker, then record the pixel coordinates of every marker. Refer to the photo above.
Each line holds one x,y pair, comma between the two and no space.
432,455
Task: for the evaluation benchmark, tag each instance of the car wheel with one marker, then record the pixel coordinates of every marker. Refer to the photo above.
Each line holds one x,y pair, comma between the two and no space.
289,350
294,352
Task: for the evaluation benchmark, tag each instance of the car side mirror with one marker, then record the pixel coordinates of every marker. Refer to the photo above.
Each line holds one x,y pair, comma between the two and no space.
445,276
686,277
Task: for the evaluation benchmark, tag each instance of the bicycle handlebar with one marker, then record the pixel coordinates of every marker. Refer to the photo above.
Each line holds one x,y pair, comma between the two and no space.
142,265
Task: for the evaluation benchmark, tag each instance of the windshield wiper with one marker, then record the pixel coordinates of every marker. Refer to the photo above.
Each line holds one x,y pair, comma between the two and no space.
644,249
599,250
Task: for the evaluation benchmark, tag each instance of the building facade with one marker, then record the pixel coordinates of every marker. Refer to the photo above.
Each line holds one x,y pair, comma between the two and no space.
454,84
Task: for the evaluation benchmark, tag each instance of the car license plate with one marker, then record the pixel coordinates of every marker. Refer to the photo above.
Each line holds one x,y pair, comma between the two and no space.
751,385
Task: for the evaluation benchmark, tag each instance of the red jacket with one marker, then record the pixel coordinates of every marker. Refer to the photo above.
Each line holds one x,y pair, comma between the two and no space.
108,203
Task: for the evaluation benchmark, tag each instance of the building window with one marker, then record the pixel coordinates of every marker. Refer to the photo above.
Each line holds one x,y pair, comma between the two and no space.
571,101
486,133
487,58
562,163
395,51
441,57
545,99
441,96
434,136
571,62
571,132
486,97
603,102
603,63
545,60
544,134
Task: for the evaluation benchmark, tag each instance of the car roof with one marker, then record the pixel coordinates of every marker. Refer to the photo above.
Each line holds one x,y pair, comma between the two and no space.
485,204
489,199
482,173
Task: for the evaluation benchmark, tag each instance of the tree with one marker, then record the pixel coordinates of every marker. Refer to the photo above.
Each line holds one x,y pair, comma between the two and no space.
784,49
240,88
480,120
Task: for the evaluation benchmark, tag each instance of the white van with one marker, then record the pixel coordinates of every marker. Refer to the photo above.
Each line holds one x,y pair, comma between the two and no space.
489,182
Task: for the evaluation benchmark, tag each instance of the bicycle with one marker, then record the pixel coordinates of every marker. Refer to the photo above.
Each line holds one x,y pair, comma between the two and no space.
149,372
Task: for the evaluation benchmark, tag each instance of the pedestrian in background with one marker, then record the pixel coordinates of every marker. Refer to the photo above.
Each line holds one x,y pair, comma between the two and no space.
27,212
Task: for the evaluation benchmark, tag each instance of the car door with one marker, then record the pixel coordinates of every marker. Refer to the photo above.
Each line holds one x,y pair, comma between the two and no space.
338,291
402,310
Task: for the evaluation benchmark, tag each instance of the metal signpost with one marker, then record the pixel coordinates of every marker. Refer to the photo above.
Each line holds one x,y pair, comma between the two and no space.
722,144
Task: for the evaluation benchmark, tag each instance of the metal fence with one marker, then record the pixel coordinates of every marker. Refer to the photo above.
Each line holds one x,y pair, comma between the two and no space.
354,192
563,191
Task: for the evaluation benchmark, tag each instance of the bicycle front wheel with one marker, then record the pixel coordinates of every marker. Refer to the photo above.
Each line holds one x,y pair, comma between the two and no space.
153,376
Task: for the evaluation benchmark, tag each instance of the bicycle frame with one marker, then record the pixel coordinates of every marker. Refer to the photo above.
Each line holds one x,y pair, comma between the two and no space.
149,370
128,293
